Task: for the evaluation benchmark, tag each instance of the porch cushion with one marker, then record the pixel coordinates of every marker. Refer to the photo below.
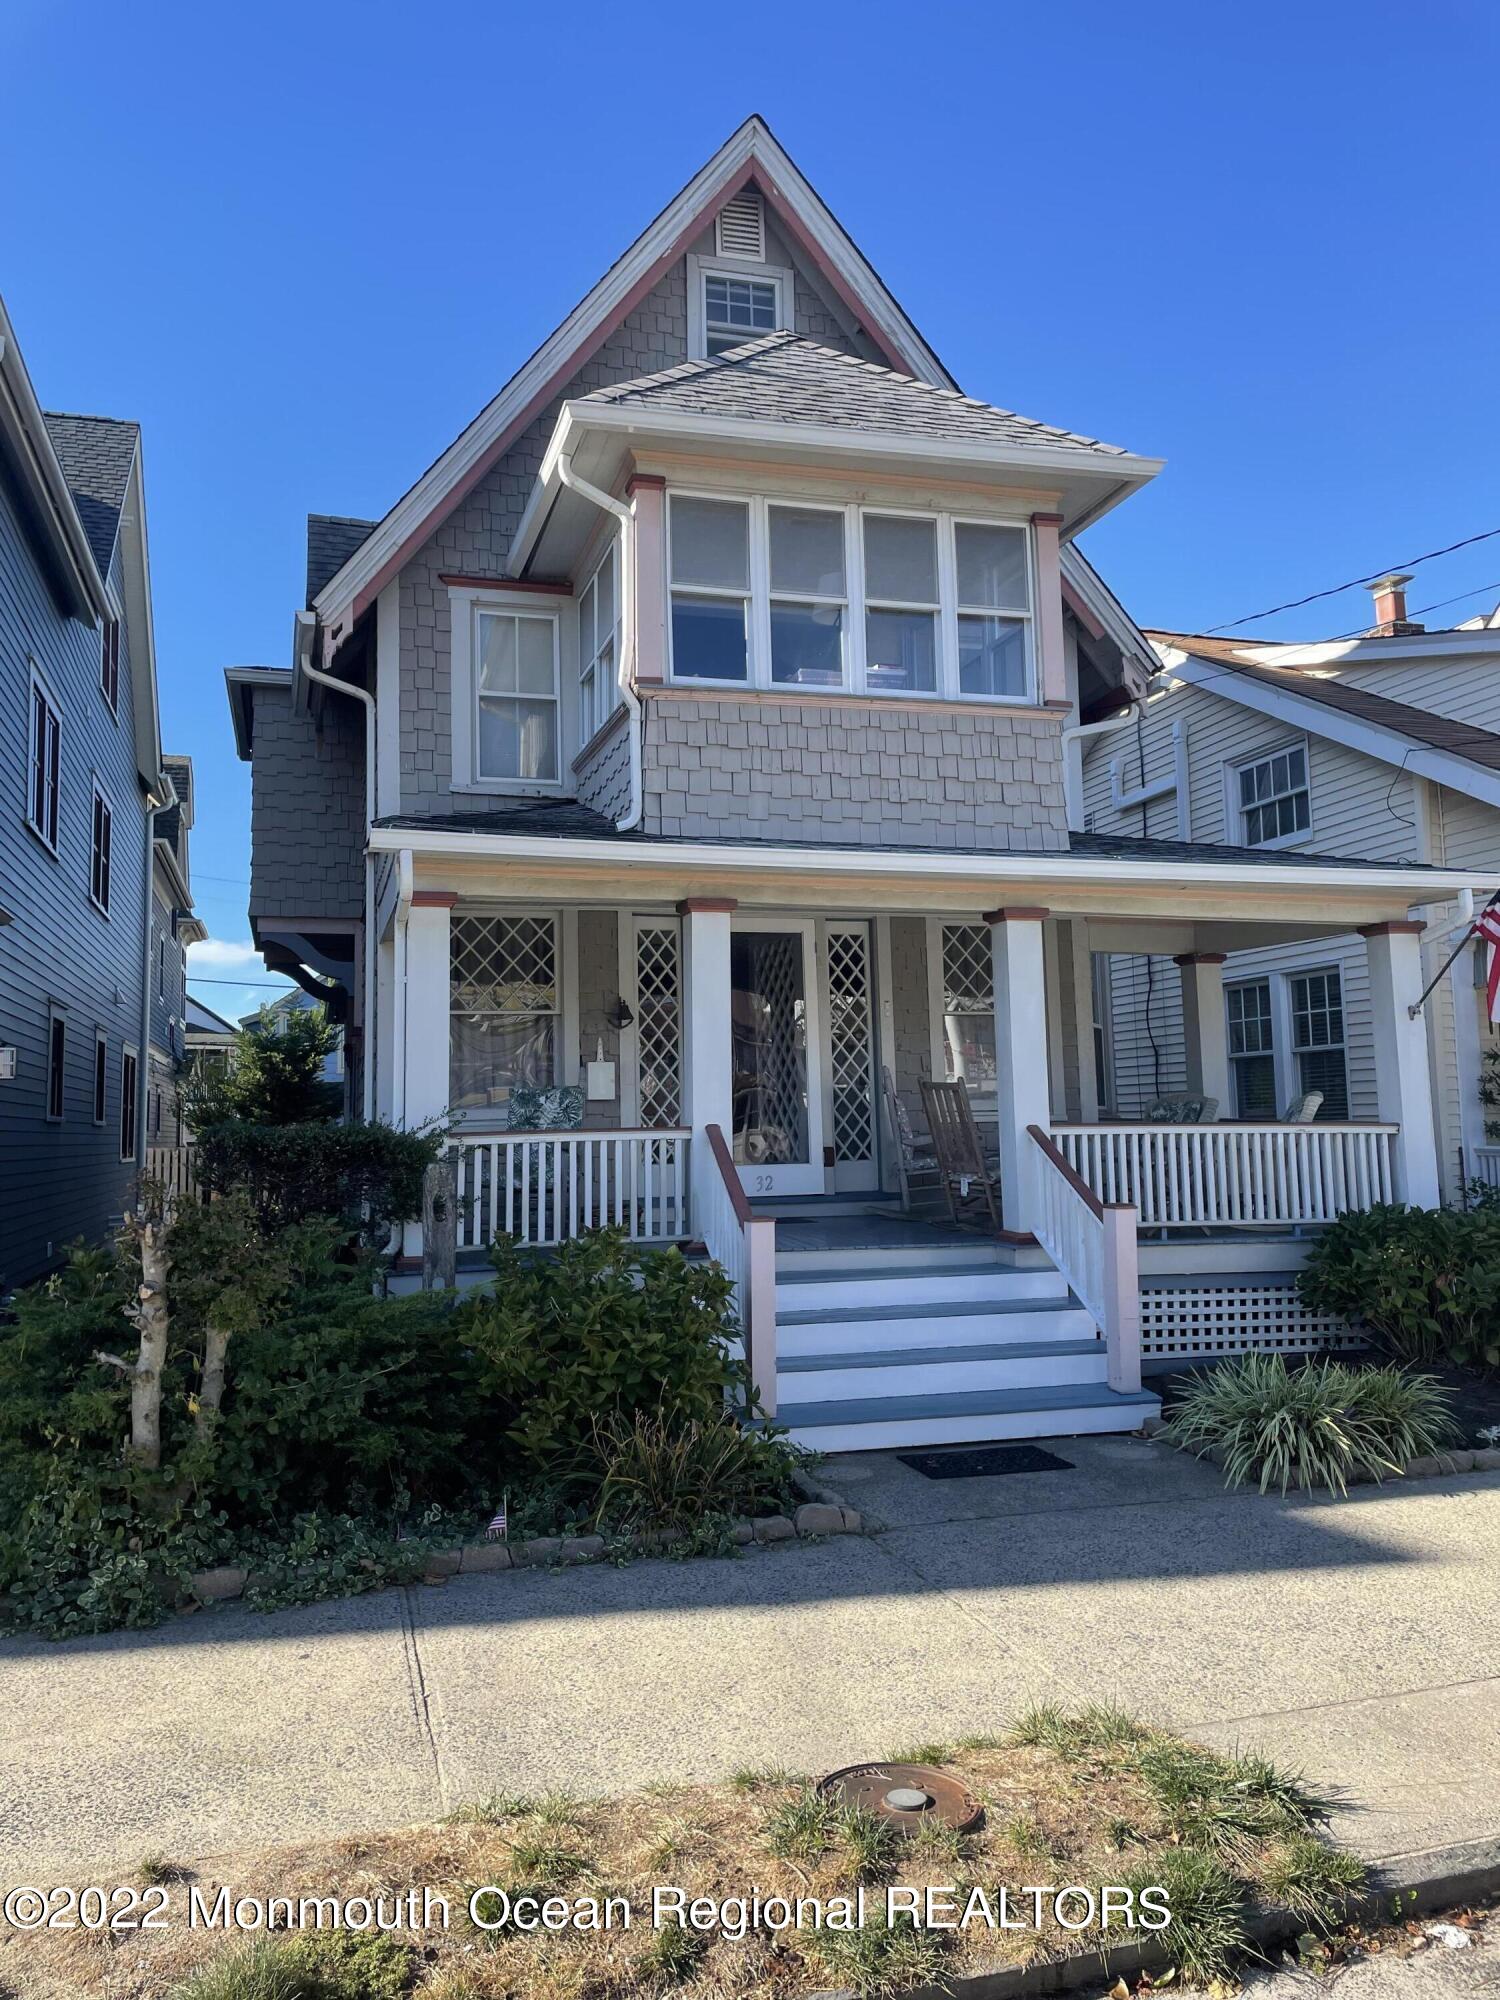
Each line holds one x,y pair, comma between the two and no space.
557,1109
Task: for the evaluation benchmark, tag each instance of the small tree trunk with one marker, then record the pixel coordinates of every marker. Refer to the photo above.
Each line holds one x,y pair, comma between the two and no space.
440,1226
211,1383
152,1321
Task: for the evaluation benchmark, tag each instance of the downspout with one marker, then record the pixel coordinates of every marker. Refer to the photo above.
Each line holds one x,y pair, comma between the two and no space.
305,638
625,665
1073,760
404,886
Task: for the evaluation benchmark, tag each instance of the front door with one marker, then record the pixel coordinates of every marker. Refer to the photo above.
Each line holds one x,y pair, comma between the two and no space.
850,1089
775,1046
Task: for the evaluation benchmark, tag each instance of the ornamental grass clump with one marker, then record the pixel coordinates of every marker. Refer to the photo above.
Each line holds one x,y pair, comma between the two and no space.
1322,1424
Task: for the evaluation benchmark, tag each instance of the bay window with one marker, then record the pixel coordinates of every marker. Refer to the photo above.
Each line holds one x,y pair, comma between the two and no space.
771,593
598,647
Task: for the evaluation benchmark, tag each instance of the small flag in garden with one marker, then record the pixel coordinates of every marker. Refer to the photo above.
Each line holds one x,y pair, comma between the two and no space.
1487,926
495,1532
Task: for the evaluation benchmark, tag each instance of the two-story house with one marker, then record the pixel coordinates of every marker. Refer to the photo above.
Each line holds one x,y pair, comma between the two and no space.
695,731
82,786
1384,746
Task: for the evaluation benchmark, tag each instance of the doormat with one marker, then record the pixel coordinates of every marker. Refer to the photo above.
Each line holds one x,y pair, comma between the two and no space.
987,1462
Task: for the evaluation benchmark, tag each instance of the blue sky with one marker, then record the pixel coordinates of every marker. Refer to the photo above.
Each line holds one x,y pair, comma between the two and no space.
304,244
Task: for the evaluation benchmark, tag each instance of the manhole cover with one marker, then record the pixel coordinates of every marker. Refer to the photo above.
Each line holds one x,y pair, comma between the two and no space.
905,1794
988,1462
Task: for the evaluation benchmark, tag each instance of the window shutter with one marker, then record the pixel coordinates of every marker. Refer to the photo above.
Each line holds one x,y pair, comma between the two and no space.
741,227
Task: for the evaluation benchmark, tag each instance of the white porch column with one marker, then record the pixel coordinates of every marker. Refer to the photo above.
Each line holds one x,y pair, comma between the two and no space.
424,1055
1021,1072
707,1087
1402,1081
1204,1028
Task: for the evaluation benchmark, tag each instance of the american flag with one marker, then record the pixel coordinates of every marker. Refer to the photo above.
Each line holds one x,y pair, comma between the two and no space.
495,1532
1487,926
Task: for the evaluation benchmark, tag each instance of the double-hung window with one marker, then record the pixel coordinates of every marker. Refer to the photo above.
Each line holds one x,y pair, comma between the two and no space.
109,664
598,647
101,1074
129,1083
45,767
1272,797
57,1065
515,696
1252,1048
504,996
994,608
808,596
101,851
968,996
1317,1003
902,607
710,589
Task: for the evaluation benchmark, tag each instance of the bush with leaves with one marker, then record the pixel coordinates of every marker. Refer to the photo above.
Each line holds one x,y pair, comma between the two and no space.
274,1075
1424,1282
1322,1424
368,1175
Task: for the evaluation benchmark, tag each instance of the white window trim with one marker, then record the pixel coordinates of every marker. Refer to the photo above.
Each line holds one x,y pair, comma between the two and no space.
1234,812
592,716
757,599
700,268
39,686
100,796
466,605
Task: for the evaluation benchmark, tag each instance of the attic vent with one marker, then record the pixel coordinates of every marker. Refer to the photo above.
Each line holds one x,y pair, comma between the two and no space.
742,226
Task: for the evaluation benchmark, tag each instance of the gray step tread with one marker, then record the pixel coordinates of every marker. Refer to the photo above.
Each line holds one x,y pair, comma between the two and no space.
906,1357
922,1309
976,1403
864,1274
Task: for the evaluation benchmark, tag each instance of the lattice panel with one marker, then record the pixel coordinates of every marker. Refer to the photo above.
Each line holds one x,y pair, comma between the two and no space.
504,965
770,1114
849,1044
658,1015
1200,1320
968,969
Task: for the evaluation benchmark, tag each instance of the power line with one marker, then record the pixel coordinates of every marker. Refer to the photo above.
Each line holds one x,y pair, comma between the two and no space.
1422,610
1296,603
194,979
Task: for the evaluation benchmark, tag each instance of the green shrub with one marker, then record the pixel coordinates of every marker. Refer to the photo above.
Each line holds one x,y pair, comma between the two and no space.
335,1966
671,1471
1424,1282
368,1176
1318,1425
274,1077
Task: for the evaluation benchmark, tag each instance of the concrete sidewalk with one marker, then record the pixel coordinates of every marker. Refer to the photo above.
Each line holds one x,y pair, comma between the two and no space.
1359,1640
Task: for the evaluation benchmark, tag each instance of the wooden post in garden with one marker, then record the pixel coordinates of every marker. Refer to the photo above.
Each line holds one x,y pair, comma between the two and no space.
440,1225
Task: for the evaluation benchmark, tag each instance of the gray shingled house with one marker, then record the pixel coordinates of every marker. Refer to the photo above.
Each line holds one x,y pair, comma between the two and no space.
684,771
85,796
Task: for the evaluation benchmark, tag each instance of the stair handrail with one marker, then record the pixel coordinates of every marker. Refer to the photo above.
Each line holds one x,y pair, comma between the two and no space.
1093,1243
744,1244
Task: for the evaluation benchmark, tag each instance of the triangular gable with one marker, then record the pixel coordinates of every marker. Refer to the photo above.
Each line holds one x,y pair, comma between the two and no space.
750,154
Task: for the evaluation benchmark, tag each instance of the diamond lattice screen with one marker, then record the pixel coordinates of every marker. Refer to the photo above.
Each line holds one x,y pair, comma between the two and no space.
658,1015
968,972
849,1044
504,965
770,1109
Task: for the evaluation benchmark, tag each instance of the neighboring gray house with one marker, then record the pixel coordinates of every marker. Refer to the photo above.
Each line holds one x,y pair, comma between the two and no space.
1385,747
697,731
335,1070
81,775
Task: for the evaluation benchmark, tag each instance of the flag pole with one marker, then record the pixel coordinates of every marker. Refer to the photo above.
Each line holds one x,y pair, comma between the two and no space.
1472,932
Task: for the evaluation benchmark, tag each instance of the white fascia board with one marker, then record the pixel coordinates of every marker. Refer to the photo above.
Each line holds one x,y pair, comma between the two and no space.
250,677
1378,652
751,145
21,415
1106,607
1389,746
1416,885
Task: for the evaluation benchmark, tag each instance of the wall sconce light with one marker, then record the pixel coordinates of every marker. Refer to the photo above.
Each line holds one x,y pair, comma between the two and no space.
619,1015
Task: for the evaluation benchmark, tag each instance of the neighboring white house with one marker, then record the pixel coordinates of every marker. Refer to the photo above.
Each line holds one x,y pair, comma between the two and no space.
1385,748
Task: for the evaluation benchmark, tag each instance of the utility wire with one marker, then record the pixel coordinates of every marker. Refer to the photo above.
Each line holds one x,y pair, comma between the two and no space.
195,980
1480,590
1296,603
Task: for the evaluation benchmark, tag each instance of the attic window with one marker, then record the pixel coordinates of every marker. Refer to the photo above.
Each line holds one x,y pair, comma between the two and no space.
741,227
737,309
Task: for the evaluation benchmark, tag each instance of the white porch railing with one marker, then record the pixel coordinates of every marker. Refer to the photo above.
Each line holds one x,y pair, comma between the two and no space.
743,1244
1487,1165
1244,1176
1094,1247
541,1188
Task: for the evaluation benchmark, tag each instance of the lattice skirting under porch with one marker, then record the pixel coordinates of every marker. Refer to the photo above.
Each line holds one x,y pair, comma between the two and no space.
1234,1316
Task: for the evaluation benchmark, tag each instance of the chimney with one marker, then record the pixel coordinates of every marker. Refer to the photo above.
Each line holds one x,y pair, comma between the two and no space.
1391,621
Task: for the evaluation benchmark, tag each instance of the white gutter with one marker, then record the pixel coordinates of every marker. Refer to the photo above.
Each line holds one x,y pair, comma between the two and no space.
625,664
1072,755
1418,885
304,635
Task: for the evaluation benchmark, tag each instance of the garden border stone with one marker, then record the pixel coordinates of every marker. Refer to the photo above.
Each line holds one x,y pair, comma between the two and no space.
1437,1465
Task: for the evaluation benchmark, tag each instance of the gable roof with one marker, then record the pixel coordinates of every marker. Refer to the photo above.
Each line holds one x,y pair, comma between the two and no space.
96,455
203,1019
752,153
786,378
1417,727
26,446
331,540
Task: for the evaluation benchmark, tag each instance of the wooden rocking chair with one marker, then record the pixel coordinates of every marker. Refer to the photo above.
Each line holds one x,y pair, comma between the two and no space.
970,1180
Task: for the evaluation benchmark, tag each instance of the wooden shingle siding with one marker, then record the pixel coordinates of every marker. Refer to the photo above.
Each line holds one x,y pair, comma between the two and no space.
307,809
65,1179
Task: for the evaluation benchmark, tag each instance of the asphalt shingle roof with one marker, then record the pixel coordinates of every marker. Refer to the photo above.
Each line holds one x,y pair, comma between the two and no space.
789,380
562,819
96,454
1434,732
331,540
